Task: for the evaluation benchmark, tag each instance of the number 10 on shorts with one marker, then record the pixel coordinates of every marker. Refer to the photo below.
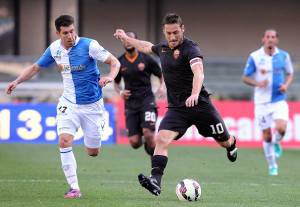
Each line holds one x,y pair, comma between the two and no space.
217,129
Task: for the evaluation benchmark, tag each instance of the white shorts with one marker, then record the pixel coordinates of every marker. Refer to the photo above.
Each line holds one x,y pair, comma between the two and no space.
90,117
269,112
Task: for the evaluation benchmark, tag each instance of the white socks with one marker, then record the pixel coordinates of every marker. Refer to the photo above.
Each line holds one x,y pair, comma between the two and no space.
269,154
69,166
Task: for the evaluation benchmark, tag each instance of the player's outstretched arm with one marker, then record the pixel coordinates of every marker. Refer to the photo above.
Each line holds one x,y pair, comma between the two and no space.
114,70
140,45
26,74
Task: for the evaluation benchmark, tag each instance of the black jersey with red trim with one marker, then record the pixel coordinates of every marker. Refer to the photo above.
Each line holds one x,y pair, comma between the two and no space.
136,73
177,71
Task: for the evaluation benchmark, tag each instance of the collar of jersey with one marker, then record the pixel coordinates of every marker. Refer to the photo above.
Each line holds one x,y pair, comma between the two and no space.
275,52
165,44
76,42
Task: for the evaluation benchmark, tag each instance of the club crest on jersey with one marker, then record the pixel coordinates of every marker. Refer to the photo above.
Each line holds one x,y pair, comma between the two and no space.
263,71
57,56
123,69
176,53
141,66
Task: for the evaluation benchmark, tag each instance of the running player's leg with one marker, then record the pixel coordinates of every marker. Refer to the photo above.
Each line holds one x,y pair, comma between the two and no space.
280,129
93,124
211,124
173,126
280,116
148,120
264,118
159,162
67,125
134,131
269,152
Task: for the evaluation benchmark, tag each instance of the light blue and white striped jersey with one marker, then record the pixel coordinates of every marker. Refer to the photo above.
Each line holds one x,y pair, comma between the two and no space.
78,67
273,68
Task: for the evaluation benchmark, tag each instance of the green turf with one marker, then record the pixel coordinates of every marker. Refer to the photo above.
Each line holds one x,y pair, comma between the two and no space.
30,175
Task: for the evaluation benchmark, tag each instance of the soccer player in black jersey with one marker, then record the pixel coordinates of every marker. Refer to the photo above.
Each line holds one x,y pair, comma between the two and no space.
140,107
189,102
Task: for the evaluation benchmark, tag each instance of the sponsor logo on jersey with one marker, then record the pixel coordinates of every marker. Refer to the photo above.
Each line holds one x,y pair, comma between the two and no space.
68,68
263,71
141,66
123,69
57,56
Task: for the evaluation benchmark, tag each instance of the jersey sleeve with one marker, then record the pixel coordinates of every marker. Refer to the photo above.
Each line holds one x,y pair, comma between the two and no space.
97,52
193,52
250,68
288,65
46,59
154,67
155,49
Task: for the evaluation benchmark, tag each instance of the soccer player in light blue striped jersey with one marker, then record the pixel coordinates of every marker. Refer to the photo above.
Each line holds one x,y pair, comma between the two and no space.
270,70
81,104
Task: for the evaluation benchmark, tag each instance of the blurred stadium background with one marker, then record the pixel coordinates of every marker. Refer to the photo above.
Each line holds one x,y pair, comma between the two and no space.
227,31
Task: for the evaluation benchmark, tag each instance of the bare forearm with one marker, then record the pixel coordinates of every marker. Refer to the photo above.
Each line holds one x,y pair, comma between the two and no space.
289,79
140,45
197,83
114,66
249,81
28,73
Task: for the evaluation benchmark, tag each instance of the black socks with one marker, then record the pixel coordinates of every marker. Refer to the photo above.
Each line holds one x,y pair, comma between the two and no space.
159,162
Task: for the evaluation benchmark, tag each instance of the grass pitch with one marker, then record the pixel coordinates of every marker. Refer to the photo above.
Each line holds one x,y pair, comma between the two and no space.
30,175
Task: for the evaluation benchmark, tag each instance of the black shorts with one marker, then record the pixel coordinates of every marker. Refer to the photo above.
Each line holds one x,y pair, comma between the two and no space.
204,116
142,116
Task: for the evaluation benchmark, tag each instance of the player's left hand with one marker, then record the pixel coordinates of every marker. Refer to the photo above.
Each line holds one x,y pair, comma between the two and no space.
192,100
283,88
105,80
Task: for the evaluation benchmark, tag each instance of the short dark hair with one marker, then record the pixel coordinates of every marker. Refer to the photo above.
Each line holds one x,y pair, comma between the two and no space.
271,29
63,21
172,18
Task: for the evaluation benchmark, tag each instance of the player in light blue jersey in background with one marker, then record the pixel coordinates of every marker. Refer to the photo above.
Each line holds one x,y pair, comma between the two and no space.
270,71
81,104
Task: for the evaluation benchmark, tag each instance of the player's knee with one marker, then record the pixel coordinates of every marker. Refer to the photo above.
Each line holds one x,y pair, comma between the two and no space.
135,141
148,135
135,144
162,141
65,141
281,130
267,135
93,152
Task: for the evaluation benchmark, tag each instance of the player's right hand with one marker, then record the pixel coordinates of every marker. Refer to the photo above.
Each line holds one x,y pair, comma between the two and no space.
125,94
10,87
